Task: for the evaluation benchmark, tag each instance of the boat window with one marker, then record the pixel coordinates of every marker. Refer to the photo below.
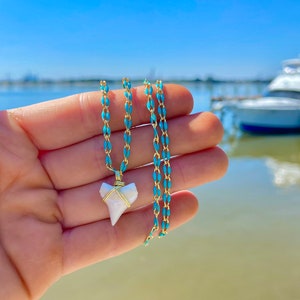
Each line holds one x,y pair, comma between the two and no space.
285,94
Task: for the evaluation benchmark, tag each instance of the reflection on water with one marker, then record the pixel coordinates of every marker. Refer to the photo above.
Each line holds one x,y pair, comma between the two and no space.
285,173
280,153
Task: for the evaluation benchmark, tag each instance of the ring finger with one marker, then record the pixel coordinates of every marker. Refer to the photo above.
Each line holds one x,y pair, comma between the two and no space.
83,205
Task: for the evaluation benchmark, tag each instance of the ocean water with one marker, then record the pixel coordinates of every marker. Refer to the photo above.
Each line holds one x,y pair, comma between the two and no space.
243,244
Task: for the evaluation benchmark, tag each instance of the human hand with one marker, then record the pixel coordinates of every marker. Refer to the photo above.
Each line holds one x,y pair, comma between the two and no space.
52,219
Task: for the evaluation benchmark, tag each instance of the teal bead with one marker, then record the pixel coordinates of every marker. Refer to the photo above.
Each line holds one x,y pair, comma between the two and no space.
160,84
128,123
166,169
156,191
123,167
148,89
126,152
128,108
104,88
108,160
156,177
166,155
156,146
105,130
107,145
156,161
156,206
105,101
127,138
165,126
107,116
165,183
149,107
159,109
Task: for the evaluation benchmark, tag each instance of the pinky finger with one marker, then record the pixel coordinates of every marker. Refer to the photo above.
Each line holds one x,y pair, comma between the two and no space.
91,243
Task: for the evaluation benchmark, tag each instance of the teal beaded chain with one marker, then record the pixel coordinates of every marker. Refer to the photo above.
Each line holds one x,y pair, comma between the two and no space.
121,196
117,197
157,159
166,156
106,129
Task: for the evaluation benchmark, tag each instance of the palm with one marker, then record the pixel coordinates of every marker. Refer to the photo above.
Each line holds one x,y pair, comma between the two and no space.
31,231
51,166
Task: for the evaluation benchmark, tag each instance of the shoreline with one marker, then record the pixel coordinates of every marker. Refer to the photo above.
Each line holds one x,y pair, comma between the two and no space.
92,81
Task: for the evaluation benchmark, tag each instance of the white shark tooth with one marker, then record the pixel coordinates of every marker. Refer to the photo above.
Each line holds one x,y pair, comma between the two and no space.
118,199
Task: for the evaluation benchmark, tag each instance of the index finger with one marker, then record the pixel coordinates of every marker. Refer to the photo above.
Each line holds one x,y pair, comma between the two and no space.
66,121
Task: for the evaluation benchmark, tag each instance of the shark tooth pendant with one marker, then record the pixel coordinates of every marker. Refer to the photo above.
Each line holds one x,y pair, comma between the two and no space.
118,198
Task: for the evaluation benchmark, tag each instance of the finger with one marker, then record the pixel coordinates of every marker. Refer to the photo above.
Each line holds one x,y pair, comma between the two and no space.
86,160
84,205
62,122
98,241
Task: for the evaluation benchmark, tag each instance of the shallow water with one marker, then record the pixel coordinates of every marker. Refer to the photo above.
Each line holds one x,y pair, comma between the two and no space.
243,244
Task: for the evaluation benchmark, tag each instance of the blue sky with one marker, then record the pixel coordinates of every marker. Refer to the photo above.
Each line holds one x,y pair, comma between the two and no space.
168,39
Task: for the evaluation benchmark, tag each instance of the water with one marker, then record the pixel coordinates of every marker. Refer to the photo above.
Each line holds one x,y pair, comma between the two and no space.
243,244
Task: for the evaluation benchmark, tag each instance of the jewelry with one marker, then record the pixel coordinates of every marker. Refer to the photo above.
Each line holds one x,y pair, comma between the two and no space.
162,112
166,156
118,197
156,160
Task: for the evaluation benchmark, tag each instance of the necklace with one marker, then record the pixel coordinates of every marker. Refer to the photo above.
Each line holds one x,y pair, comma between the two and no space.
165,156
156,175
118,197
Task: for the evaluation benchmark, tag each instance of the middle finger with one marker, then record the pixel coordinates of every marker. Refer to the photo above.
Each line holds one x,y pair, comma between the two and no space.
84,162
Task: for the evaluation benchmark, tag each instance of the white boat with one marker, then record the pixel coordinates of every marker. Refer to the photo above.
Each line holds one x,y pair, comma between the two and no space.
279,108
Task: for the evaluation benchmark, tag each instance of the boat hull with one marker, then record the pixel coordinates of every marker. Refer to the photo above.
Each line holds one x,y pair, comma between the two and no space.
268,120
267,115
